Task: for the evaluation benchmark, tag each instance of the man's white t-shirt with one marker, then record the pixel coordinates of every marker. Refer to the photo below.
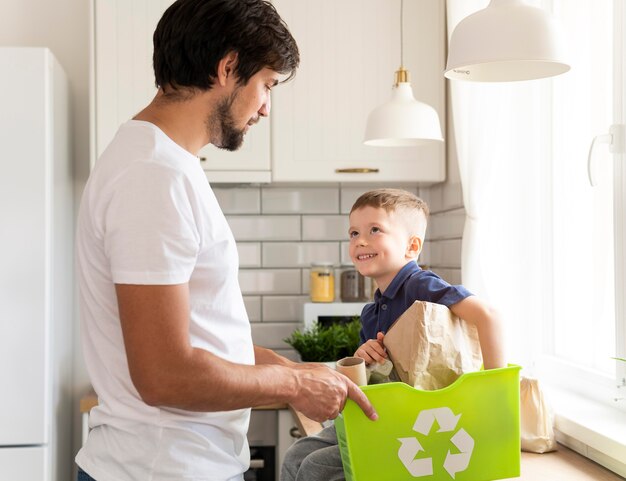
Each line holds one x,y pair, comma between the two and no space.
149,216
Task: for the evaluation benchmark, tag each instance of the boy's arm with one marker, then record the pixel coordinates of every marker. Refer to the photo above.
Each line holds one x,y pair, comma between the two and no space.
489,326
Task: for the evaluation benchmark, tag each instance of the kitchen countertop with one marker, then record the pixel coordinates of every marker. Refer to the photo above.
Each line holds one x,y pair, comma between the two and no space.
562,465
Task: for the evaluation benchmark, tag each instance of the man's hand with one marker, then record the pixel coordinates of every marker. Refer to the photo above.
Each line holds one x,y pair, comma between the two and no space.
373,350
322,393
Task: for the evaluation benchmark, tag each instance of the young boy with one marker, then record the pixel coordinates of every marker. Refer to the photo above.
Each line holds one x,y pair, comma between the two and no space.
387,229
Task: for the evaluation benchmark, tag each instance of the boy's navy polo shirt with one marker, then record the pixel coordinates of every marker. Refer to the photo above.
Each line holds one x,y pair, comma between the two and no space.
410,284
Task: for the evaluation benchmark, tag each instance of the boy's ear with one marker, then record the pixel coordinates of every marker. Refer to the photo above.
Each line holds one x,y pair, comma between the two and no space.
226,68
414,247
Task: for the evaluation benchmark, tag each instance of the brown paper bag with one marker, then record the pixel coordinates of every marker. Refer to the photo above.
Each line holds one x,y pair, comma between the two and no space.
430,347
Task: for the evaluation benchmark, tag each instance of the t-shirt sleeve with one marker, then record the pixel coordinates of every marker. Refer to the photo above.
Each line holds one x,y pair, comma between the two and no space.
150,234
432,288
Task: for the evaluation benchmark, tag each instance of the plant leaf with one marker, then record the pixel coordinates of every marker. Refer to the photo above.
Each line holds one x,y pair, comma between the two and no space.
320,344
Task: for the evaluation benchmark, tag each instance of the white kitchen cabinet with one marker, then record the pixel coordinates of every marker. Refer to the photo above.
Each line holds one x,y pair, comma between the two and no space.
123,83
350,50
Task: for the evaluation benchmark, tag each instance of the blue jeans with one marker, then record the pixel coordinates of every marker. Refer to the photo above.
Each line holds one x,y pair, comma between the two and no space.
83,476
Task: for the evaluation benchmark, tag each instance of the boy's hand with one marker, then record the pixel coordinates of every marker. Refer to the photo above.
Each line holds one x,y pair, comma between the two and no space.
372,350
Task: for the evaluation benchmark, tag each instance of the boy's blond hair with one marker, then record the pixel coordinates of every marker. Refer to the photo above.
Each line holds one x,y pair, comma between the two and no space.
413,210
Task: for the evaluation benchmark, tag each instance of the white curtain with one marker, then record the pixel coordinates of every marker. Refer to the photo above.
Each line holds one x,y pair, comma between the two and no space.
500,134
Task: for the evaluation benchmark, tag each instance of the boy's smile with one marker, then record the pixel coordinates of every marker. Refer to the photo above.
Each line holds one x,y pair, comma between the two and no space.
380,244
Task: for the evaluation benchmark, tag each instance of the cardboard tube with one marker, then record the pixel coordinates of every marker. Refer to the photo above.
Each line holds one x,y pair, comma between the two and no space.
354,369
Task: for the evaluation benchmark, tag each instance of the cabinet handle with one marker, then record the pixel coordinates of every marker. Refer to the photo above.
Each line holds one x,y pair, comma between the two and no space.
202,159
359,170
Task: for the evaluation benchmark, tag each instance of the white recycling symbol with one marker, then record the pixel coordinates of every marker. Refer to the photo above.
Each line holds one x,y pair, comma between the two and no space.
410,447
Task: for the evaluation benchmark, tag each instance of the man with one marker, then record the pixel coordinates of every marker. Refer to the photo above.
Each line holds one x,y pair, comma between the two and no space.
165,334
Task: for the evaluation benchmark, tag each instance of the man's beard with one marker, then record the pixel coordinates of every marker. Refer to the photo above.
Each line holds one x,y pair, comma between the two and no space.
231,137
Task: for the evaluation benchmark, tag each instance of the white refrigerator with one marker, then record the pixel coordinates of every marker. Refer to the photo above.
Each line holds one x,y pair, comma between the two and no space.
36,268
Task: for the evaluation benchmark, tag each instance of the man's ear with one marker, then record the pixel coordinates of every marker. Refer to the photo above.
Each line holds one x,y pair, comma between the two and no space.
226,68
414,247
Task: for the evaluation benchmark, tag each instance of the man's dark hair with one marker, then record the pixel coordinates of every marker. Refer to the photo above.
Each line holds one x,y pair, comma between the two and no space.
194,35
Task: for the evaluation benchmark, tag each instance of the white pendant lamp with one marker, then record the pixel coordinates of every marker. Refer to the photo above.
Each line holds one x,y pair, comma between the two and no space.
507,41
402,121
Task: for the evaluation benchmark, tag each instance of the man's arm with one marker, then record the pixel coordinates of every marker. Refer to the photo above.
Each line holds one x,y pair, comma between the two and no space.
167,371
267,356
489,325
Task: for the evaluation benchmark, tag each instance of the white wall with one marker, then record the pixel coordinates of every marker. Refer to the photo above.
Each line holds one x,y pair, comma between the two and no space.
63,27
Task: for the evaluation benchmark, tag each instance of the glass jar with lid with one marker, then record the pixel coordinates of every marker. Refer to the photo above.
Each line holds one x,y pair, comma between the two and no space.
322,282
352,286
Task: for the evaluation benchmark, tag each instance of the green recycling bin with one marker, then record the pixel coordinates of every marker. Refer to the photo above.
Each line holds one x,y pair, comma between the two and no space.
468,431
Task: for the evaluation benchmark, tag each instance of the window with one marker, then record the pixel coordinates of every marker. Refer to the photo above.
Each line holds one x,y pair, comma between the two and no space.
585,224
540,243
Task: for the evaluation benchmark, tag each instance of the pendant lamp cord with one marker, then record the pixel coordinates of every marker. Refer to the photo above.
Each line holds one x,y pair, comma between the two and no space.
401,34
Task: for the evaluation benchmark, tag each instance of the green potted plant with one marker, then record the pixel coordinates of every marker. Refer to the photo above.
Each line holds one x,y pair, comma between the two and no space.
326,343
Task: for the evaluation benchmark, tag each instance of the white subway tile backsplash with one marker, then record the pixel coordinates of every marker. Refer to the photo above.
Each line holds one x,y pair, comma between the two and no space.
253,307
283,308
345,254
444,197
444,253
447,224
268,227
328,227
239,200
453,195
306,281
452,276
424,257
349,194
249,254
271,335
300,200
299,254
270,281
